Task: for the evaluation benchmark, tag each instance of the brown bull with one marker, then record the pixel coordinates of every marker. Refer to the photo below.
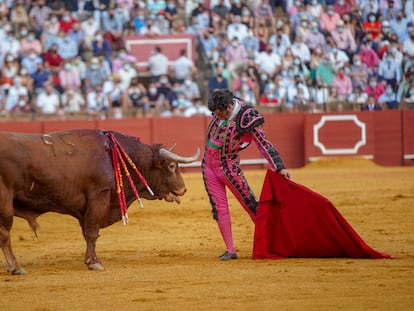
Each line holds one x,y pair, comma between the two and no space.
72,172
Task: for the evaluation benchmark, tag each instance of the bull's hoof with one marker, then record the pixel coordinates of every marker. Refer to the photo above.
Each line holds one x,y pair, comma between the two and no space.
96,266
19,271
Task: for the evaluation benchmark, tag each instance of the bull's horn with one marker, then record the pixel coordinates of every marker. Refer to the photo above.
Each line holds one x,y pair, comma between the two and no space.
172,147
167,154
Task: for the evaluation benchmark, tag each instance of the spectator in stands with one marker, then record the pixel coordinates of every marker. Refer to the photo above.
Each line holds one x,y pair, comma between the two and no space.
209,43
127,72
303,28
374,87
38,15
390,70
69,77
301,50
162,23
343,7
316,60
40,77
247,17
97,104
89,28
48,101
113,21
76,34
359,73
403,91
371,105
408,45
343,85
155,6
325,72
17,100
388,99
409,10
236,29
268,61
136,92
157,64
67,21
29,44
264,11
154,100
9,70
329,20
52,59
314,37
122,58
190,89
270,97
251,44
27,81
368,56
198,109
217,81
95,74
236,57
9,45
344,39
373,25
112,87
358,98
280,42
19,16
101,45
300,69
262,32
399,25
183,67
72,102
221,8
171,13
339,58
67,47
30,62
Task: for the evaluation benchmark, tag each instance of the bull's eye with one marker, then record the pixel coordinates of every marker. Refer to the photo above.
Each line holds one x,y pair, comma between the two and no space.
172,166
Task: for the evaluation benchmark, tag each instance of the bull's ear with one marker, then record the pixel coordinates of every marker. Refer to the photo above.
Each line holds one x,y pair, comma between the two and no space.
157,158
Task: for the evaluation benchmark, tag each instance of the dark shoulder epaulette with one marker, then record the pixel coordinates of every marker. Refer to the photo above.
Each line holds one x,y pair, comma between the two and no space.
248,118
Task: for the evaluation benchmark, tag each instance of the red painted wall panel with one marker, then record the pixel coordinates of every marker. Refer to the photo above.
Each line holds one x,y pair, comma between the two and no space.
34,127
286,132
141,128
388,142
389,134
408,136
333,135
55,125
187,133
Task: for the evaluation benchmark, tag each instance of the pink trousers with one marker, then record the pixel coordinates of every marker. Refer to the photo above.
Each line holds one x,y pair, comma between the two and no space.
221,173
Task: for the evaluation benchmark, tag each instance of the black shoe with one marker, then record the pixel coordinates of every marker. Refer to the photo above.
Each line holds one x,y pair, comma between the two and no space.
228,256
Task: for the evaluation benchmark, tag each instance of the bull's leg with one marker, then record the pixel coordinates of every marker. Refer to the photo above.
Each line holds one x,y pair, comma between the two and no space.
6,222
96,212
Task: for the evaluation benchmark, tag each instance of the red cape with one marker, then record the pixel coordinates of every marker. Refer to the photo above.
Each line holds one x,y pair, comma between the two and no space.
294,221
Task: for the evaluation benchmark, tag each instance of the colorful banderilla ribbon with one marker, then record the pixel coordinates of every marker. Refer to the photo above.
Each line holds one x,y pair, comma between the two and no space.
118,154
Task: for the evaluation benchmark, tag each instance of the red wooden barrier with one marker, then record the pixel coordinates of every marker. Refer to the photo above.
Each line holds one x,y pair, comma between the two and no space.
385,136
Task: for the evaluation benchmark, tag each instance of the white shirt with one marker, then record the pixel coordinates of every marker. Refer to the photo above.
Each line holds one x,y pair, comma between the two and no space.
182,67
268,62
301,51
48,103
237,30
158,64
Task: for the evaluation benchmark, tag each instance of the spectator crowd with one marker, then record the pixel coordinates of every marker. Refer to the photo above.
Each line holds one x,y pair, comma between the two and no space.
63,59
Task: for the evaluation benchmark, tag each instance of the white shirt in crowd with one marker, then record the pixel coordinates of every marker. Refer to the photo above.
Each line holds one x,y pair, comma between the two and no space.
48,102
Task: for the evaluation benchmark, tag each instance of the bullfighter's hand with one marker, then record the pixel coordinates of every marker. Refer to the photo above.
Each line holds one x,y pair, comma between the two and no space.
285,173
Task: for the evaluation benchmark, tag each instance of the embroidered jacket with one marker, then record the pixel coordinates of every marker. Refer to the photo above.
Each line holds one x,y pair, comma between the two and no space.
234,135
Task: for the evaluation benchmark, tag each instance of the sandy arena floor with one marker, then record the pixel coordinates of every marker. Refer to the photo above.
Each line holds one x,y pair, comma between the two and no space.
166,257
